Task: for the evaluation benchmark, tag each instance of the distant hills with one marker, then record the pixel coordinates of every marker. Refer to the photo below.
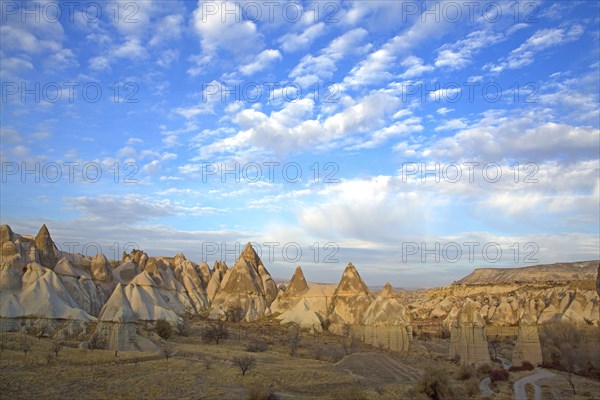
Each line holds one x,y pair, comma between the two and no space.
558,272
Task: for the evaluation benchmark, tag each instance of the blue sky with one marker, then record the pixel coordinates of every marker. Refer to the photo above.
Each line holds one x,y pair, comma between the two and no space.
307,126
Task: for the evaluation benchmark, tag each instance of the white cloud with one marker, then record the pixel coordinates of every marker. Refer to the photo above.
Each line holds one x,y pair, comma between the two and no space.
220,33
291,42
312,69
168,28
452,124
444,110
541,40
263,60
414,67
459,54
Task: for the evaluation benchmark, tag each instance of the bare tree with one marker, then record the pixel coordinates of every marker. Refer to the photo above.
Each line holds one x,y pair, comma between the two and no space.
56,346
25,345
244,363
97,341
569,363
167,350
183,327
216,332
293,340
494,347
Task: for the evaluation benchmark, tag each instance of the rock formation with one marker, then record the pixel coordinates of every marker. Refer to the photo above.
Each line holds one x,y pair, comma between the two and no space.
385,322
246,291
467,336
302,315
350,299
528,346
46,249
117,323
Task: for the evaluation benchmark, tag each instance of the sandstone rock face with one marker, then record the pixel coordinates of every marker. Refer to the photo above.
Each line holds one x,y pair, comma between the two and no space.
350,299
116,323
246,290
80,286
467,336
302,315
294,292
528,346
100,269
385,324
46,249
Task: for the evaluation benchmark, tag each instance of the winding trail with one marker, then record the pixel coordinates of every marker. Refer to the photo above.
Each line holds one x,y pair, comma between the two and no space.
484,384
539,373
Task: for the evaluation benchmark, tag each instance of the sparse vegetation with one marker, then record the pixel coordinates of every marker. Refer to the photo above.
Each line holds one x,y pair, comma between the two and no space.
571,348
56,346
494,345
434,384
216,332
499,375
465,372
167,350
293,340
97,341
260,391
163,329
244,363
257,346
183,327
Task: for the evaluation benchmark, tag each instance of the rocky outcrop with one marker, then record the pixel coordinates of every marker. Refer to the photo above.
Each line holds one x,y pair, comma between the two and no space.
467,337
528,346
350,299
385,323
303,316
246,291
46,249
117,323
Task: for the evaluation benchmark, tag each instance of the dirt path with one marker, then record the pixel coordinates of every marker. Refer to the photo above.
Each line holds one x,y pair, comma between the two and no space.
539,373
484,384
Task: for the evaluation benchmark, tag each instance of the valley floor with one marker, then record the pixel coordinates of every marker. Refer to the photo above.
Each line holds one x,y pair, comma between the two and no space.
324,367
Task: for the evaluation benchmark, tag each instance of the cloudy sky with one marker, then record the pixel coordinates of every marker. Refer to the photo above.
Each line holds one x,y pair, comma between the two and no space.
417,140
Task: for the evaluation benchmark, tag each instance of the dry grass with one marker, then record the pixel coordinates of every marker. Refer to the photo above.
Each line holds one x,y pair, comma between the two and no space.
205,370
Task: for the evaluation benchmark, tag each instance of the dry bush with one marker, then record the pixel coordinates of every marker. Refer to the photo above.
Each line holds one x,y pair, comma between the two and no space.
167,350
260,391
183,327
434,384
293,340
163,329
97,341
215,332
257,346
484,369
244,363
465,372
572,348
56,346
499,375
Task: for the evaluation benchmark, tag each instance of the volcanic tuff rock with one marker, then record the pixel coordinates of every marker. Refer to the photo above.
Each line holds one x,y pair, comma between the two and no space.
467,336
246,289
528,346
302,315
385,322
350,299
47,250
